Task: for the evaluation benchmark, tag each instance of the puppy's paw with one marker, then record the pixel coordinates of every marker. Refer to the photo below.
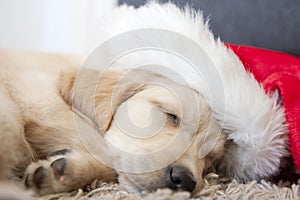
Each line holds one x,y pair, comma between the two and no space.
64,171
52,175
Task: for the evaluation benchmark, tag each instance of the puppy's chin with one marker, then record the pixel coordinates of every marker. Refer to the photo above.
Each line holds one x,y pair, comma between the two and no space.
128,184
139,182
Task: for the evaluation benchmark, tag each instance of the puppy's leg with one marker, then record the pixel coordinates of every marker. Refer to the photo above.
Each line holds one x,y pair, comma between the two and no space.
65,170
15,152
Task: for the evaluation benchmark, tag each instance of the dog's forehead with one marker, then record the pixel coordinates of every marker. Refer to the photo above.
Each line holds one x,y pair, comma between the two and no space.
173,96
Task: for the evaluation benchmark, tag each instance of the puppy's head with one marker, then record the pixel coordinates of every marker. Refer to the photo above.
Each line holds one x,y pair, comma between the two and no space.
159,133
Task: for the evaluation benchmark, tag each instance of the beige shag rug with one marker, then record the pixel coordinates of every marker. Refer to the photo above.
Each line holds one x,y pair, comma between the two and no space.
215,188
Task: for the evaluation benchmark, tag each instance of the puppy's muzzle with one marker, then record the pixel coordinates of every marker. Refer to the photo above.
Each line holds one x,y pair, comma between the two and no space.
180,178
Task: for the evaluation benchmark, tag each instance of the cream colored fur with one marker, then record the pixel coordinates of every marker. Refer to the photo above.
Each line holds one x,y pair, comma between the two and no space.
37,122
47,103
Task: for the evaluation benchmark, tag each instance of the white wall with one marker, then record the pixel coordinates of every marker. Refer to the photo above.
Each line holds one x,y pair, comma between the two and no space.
50,25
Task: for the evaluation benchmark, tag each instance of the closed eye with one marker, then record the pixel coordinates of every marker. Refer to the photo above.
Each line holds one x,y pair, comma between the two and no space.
174,119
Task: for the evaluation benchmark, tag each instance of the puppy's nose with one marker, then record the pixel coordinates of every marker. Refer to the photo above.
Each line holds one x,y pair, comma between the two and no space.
179,178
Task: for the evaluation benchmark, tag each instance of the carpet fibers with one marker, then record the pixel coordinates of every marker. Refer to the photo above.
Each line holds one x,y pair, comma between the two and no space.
215,188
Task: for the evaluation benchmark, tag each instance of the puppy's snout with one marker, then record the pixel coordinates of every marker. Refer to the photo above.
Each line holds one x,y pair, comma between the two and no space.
179,178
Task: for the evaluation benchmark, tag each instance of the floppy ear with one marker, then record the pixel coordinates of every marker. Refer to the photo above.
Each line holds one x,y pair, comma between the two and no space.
96,94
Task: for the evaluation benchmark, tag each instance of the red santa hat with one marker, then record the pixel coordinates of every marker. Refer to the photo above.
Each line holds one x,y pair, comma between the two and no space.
278,71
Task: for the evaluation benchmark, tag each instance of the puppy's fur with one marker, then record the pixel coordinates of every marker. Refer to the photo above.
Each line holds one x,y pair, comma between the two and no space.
40,138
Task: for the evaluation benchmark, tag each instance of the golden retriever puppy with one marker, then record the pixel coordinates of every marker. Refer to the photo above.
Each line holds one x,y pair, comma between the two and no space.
63,126
253,120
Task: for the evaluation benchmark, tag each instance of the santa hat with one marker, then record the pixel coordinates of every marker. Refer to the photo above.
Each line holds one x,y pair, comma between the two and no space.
278,72
249,110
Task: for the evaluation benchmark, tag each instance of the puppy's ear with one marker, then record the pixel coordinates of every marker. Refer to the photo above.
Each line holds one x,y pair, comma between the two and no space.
96,94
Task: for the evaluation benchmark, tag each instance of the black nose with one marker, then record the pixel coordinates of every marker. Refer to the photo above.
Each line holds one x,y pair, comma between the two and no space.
179,178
